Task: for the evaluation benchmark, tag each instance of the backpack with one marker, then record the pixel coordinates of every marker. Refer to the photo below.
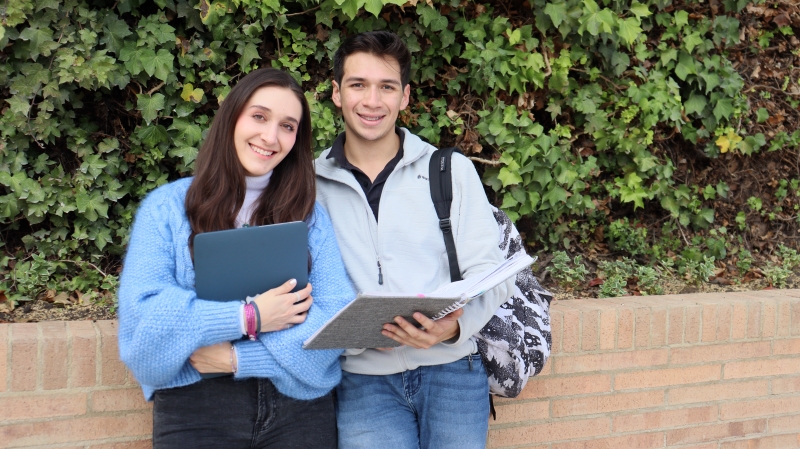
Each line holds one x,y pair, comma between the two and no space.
515,343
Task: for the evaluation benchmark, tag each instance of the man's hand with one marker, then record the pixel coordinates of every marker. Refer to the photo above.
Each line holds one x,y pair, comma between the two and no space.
433,332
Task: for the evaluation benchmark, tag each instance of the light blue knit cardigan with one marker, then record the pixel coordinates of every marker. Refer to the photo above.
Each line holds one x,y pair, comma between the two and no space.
162,322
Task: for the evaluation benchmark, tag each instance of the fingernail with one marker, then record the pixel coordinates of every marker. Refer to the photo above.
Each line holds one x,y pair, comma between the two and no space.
292,281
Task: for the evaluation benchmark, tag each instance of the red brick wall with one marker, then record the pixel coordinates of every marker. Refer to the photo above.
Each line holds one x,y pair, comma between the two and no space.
715,371
701,371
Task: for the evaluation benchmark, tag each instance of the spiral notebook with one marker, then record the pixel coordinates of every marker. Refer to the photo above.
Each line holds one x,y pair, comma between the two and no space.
359,324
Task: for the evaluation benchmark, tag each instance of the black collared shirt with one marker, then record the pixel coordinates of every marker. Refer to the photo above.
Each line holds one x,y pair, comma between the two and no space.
372,190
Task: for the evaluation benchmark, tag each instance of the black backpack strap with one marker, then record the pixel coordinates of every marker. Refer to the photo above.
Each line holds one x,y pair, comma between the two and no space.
442,196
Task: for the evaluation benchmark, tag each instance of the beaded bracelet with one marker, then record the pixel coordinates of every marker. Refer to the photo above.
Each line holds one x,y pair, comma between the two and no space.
233,364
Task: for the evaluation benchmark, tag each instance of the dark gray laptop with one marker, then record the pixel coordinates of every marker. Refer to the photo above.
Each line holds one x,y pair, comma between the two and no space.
236,263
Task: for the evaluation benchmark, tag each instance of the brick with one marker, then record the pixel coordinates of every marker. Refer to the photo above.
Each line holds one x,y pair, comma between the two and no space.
724,316
786,347
701,446
77,430
590,332
571,332
590,405
786,385
547,432
712,432
739,320
658,327
54,355
768,319
694,319
641,334
759,407
785,424
24,353
795,309
83,358
761,368
754,319
784,318
625,325
522,411
664,419
4,330
556,330
112,370
640,441
16,408
118,400
719,391
141,444
709,323
708,353
608,329
611,361
667,377
566,386
768,442
675,326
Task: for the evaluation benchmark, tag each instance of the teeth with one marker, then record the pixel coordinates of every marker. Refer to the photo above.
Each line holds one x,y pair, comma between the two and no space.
371,119
261,152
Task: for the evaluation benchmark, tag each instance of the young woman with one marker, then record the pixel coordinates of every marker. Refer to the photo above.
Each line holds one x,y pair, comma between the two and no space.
254,168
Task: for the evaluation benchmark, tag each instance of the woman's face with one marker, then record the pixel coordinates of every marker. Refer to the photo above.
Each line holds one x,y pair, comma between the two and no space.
266,129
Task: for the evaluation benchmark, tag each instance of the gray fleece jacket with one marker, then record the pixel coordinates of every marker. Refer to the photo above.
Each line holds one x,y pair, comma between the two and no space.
408,245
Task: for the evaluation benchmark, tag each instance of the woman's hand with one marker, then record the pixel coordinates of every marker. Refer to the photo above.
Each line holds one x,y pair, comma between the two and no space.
213,359
280,309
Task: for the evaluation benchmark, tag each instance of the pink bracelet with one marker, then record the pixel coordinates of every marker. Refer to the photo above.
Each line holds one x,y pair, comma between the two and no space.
250,321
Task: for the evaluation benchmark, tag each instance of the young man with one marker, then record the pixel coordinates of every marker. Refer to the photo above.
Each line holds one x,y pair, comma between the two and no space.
432,392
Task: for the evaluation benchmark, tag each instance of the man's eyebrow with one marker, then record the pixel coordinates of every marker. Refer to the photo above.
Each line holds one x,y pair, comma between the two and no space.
352,79
266,109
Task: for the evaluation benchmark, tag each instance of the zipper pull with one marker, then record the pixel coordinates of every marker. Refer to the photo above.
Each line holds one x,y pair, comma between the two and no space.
380,274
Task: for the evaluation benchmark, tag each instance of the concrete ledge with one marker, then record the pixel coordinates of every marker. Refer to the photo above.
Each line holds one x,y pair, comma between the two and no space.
696,371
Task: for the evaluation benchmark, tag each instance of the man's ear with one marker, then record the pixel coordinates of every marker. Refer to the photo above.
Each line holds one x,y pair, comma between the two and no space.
406,96
336,95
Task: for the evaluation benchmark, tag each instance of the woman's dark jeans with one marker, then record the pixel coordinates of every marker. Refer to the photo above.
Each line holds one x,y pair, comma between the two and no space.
227,413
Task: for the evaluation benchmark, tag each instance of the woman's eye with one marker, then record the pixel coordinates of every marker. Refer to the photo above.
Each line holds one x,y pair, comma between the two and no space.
289,127
258,116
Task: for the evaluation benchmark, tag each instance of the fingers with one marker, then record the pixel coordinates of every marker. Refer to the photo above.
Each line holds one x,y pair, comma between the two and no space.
286,287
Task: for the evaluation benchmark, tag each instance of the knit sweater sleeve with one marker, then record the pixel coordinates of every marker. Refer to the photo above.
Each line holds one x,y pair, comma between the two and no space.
296,372
161,321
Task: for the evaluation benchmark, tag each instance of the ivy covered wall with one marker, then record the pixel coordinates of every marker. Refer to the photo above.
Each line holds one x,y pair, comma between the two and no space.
572,109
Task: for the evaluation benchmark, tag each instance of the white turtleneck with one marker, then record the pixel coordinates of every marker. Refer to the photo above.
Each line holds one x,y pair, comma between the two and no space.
255,185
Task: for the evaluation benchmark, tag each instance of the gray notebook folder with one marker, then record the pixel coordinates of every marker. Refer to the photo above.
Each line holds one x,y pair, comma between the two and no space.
233,264
359,324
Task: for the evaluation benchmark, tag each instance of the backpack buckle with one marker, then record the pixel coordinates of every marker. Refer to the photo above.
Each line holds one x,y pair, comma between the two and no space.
444,224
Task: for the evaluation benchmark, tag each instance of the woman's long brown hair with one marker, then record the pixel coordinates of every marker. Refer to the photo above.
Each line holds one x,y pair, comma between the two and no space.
218,189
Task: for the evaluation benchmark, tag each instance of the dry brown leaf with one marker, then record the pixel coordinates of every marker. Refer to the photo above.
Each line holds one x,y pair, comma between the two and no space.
782,20
62,298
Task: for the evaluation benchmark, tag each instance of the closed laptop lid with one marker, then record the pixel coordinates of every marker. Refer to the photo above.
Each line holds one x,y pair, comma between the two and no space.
236,263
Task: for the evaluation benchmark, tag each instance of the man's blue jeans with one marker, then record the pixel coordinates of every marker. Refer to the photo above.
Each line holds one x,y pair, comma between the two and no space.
431,407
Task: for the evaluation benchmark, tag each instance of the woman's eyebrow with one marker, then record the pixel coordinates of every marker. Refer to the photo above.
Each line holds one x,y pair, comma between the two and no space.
266,109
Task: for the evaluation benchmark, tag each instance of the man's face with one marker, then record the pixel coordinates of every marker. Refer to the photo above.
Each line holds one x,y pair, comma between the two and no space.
371,96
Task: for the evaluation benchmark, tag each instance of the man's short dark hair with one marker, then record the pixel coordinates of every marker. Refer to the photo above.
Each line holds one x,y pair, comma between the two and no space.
378,43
